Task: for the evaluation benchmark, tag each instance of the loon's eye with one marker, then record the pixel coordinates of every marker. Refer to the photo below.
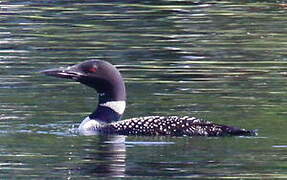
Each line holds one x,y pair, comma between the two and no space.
92,69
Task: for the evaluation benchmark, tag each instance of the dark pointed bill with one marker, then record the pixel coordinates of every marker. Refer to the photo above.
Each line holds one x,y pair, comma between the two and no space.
67,73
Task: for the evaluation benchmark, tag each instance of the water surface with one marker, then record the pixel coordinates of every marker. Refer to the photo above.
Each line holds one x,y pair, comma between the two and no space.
224,61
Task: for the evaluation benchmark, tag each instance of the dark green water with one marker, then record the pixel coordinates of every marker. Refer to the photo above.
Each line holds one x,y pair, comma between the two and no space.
223,61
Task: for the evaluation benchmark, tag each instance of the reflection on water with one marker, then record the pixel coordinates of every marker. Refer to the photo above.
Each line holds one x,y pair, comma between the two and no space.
78,157
223,61
107,157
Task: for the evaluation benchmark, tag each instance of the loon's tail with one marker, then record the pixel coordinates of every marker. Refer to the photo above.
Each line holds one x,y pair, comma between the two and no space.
235,131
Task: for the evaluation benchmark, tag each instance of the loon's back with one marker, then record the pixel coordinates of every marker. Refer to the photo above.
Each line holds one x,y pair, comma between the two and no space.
171,126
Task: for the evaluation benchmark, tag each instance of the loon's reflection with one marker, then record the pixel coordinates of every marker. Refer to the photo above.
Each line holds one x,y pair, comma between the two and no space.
104,157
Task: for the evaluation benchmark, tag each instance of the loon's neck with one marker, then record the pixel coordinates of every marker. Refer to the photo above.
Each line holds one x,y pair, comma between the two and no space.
109,109
111,89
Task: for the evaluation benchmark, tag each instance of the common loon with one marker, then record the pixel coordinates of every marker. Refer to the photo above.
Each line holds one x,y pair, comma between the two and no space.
108,82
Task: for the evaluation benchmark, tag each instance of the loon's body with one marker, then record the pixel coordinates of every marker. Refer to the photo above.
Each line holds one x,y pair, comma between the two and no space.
107,81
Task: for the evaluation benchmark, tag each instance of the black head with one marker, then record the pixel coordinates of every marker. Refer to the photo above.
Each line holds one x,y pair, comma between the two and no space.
100,75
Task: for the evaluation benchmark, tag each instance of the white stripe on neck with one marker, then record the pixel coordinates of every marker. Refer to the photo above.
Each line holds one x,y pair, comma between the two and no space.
117,106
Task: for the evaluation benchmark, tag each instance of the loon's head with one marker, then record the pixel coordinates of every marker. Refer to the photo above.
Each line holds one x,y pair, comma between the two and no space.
97,74
107,81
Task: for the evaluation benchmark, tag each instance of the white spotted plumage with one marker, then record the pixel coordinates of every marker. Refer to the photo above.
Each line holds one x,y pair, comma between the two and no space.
160,125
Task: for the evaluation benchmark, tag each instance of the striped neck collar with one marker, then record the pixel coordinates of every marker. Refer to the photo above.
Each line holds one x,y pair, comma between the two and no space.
109,111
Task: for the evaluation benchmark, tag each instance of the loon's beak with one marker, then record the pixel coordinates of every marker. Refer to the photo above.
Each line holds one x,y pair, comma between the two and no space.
68,73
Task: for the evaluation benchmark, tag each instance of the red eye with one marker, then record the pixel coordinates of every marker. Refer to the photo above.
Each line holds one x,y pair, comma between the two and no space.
93,69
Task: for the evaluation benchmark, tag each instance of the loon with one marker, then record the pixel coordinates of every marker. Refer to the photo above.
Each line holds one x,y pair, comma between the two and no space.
106,119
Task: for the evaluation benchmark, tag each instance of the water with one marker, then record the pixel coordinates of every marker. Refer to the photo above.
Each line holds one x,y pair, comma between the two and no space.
223,61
